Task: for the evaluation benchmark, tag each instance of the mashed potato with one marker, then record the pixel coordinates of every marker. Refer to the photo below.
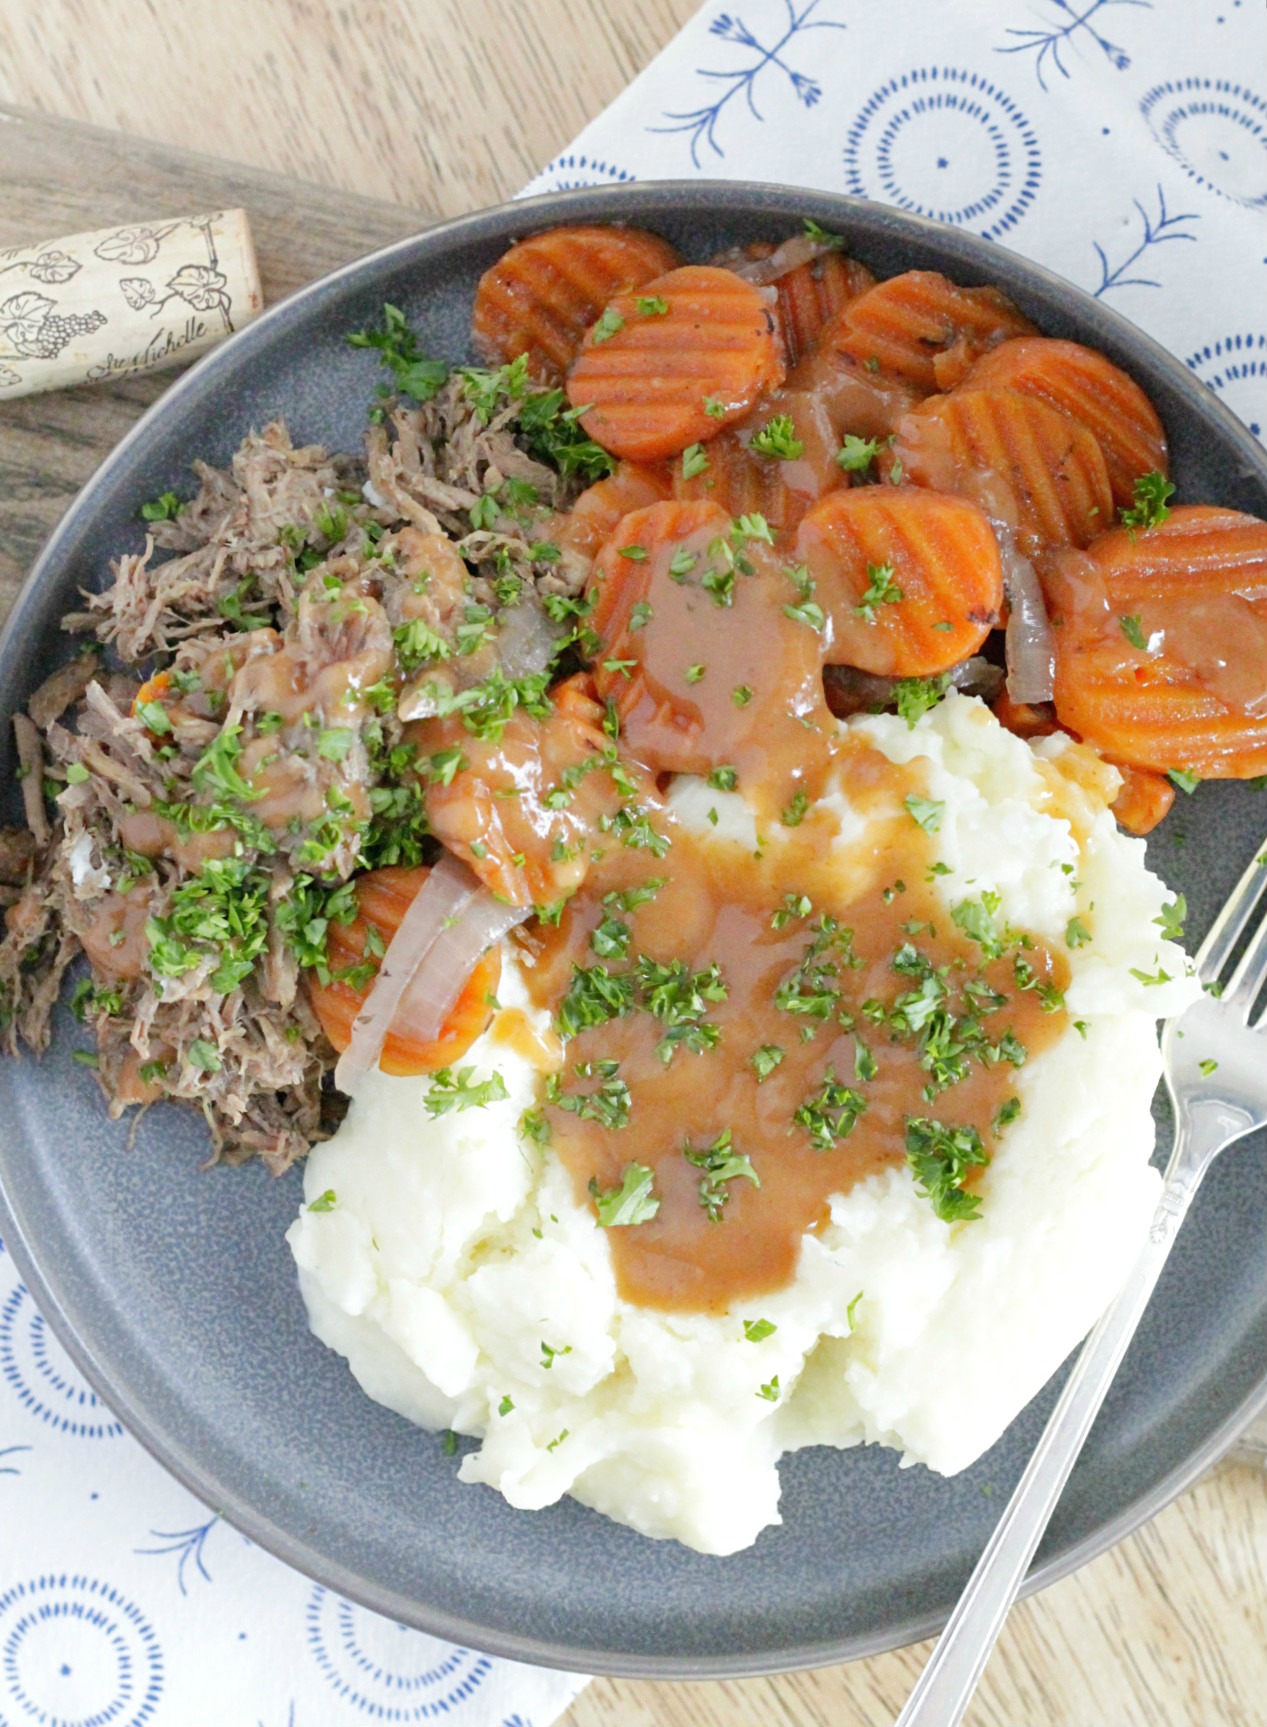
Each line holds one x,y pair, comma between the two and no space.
451,1263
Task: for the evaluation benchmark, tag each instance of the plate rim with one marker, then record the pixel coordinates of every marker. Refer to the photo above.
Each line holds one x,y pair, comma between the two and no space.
635,200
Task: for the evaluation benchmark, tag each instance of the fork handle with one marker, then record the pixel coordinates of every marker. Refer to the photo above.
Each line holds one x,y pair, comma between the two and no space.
955,1666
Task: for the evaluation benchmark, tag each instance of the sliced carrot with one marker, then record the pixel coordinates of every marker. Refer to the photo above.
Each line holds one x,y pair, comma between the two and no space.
150,691
1090,389
747,475
628,574
383,896
1161,643
910,580
1144,799
1025,719
600,507
811,295
521,809
1027,466
542,296
672,365
921,330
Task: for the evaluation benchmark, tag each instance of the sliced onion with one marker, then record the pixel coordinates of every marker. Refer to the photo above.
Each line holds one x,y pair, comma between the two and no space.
438,982
450,923
1031,652
445,894
800,249
526,640
977,677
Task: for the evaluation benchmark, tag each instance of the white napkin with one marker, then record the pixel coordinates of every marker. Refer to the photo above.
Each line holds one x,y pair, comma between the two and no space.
1122,142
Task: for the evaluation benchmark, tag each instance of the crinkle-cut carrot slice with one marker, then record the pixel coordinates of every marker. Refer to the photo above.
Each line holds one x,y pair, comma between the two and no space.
1090,389
672,365
600,507
810,295
748,478
542,296
1145,798
921,330
627,570
910,580
1161,643
492,802
383,896
1034,470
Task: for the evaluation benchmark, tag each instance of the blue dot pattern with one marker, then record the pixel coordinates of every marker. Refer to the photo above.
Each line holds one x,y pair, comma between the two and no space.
1095,138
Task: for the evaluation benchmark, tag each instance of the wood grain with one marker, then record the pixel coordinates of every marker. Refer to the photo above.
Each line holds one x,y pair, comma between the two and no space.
440,105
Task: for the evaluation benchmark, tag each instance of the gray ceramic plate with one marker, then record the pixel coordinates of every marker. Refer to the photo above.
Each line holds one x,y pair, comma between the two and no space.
173,1290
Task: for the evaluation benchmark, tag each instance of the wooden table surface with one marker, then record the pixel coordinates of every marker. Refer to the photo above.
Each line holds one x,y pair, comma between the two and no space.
443,105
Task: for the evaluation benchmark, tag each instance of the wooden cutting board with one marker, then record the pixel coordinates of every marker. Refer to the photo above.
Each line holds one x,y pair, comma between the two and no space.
57,177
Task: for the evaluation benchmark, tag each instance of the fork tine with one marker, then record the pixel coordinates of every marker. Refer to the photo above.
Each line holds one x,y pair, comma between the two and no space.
1251,971
1232,922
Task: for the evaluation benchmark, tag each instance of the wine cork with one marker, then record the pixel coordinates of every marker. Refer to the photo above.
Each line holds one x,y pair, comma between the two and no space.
119,300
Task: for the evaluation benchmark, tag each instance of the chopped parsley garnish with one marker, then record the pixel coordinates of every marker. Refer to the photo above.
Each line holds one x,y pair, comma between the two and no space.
765,1059
1133,630
1076,933
607,326
1151,506
216,768
914,697
154,717
925,812
610,940
976,918
721,1164
594,996
822,236
795,905
830,1113
549,1355
221,916
778,438
794,813
608,1104
770,1392
1186,781
652,305
165,508
757,1330
881,590
461,1090
694,461
856,455
695,673
1208,1066
723,779
634,1201
506,1405
741,695
940,1157
204,1056
1006,1114
1172,916
1151,978
715,407
324,1201
398,349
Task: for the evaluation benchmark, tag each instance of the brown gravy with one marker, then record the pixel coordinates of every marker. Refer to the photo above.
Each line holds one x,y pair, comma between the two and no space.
718,905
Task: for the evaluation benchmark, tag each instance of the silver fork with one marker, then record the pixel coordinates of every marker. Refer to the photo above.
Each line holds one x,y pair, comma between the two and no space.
1216,1071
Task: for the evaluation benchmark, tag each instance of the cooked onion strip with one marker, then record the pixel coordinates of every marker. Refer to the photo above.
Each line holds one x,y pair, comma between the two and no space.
433,991
443,898
800,249
1031,652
